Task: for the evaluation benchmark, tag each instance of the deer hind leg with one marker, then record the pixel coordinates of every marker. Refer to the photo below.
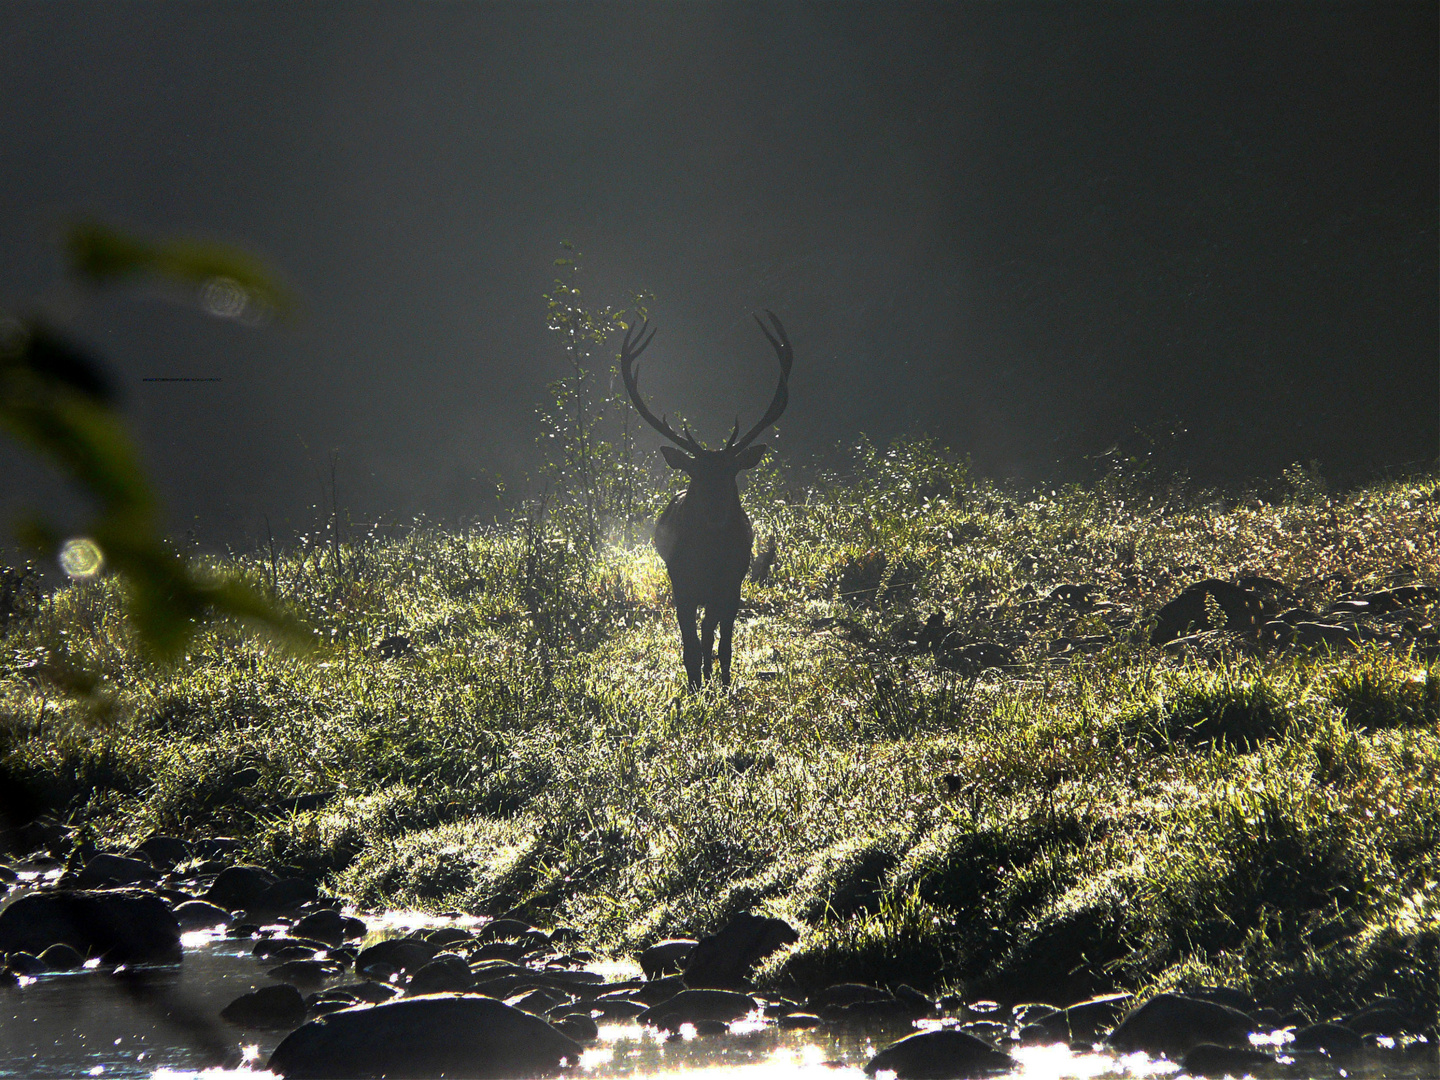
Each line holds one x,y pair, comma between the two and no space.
689,642
727,631
707,638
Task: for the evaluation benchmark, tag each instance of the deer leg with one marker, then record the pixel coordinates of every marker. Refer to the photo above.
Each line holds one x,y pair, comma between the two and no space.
727,629
689,642
707,639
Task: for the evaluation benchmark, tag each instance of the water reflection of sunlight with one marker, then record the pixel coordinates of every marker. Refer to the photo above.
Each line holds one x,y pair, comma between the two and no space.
1059,1062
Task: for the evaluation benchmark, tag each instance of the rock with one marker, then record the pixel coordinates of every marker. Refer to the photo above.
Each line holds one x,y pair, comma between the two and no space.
286,947
1325,1038
617,1008
975,658
104,869
657,990
539,1001
398,954
435,1035
578,1025
1031,1012
61,957
164,851
843,994
1311,635
24,963
279,1006
446,973
797,1021
1380,1018
920,1004
1171,1024
331,927
121,925
198,914
689,1006
444,936
723,960
1224,995
1406,596
373,992
394,647
1208,1059
1080,597
240,887
499,929
940,1055
216,847
1080,1023
286,894
1241,609
305,972
666,957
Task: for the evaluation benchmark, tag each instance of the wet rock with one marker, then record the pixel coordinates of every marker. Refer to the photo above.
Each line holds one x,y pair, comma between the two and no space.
689,1006
286,894
1208,1059
279,1006
992,1031
505,929
444,937
397,954
199,914
578,1025
657,990
24,963
287,948
164,851
121,925
240,886
329,926
104,870
920,1004
797,1021
617,1008
1311,635
61,958
1030,1012
1080,1023
373,992
446,973
666,957
710,1027
723,960
1224,995
1171,1024
305,972
538,1001
938,1055
843,994
1390,1017
1242,611
1325,1038
431,1036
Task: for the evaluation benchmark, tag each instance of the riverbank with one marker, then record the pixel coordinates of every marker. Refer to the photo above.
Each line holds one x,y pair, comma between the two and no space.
952,756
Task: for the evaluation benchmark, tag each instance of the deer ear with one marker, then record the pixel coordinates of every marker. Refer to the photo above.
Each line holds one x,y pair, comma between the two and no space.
751,456
676,458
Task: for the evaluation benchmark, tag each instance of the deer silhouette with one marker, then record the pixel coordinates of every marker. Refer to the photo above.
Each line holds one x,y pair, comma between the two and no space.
703,535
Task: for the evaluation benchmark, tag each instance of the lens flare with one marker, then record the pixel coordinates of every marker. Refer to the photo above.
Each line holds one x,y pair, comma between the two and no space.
81,558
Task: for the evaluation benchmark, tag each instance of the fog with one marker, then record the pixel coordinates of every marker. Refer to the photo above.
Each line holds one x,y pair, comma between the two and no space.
1026,229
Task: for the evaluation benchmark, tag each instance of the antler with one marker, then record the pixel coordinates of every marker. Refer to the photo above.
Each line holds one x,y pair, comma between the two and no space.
634,344
783,352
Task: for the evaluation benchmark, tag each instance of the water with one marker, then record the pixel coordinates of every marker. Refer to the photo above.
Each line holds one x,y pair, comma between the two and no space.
163,1022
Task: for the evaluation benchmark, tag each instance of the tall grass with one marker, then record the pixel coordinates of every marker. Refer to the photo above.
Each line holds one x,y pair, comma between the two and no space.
499,724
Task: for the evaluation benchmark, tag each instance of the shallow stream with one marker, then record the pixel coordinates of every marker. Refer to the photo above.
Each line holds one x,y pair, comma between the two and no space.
163,1022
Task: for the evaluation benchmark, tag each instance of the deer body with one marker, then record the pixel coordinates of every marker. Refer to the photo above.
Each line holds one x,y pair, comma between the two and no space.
703,535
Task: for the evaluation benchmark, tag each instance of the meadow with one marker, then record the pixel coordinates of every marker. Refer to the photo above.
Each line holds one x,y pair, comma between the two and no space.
950,757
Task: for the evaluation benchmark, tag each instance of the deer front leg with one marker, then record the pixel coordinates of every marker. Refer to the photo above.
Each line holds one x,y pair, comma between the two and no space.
707,638
727,630
689,642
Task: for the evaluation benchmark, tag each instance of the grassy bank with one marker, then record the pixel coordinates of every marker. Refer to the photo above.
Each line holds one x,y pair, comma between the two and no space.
498,724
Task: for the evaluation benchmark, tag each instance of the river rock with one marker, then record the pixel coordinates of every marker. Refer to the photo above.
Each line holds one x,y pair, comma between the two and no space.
689,1006
24,963
945,1054
1325,1038
280,1006
578,1025
1080,1023
723,960
240,886
397,954
121,925
61,957
1242,609
431,1036
164,851
105,869
666,957
287,894
331,927
446,973
1208,1059
199,914
1173,1023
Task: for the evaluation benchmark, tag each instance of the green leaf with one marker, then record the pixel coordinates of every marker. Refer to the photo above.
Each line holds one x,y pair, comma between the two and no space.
228,278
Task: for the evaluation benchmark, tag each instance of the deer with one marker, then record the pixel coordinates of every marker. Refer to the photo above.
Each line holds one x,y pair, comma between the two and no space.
703,535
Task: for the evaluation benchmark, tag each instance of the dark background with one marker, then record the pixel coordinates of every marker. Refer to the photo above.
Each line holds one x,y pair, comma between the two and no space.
1023,228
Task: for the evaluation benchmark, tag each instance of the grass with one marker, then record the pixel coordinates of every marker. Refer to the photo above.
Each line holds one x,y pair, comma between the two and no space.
1100,814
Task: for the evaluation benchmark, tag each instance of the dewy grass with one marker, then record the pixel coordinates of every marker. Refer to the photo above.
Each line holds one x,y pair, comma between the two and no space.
497,722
